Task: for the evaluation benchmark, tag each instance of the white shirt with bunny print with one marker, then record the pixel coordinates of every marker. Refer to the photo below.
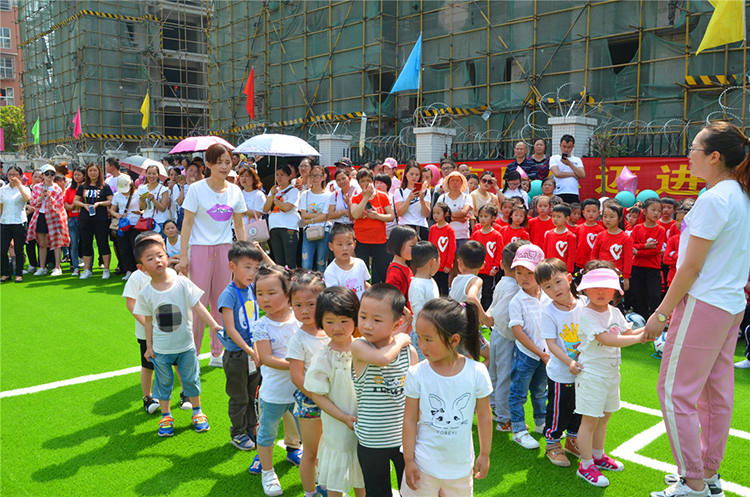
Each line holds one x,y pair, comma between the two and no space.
444,447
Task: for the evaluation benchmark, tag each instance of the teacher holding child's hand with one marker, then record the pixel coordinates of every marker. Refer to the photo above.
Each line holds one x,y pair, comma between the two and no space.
706,301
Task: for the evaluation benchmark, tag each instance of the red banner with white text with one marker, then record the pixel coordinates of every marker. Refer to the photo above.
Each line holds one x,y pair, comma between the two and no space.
667,176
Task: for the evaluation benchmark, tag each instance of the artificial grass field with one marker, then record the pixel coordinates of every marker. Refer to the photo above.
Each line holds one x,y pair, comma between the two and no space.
95,439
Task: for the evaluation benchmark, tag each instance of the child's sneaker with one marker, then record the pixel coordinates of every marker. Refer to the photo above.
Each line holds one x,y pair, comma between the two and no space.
294,456
271,485
505,427
323,492
593,476
608,463
714,483
571,446
200,422
216,361
556,455
255,468
185,403
539,429
681,489
243,442
166,426
150,404
525,440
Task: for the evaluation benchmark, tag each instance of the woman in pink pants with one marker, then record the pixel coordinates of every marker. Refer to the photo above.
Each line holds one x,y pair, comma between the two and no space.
210,207
706,302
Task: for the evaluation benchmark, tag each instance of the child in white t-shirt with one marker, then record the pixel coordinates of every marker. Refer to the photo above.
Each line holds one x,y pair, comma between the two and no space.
442,395
603,330
346,270
425,262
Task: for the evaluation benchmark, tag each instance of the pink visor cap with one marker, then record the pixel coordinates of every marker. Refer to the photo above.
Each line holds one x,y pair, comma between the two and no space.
600,278
528,256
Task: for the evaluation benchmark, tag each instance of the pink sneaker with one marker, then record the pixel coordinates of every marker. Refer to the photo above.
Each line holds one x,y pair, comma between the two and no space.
592,475
608,464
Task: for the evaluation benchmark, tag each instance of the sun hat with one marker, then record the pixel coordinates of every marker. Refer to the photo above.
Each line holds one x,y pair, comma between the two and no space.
600,278
528,256
123,184
344,161
232,174
455,174
390,162
48,167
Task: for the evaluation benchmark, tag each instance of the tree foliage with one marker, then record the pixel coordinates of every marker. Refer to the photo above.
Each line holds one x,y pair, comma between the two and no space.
12,121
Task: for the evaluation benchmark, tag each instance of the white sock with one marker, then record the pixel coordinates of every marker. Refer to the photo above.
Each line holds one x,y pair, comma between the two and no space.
598,454
585,463
265,472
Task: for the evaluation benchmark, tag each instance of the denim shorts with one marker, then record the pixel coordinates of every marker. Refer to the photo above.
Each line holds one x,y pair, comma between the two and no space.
306,408
187,366
270,417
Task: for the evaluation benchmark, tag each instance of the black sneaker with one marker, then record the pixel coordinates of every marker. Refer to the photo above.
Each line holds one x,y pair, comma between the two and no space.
185,403
150,404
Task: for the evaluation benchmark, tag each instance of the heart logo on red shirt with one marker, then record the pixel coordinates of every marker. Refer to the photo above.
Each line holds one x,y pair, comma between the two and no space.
491,249
561,247
616,251
443,243
590,239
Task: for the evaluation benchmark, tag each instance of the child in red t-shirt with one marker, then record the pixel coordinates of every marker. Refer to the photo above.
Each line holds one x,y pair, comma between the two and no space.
493,244
575,217
631,218
402,239
614,244
673,243
538,226
665,221
443,236
648,240
560,242
505,207
587,232
516,230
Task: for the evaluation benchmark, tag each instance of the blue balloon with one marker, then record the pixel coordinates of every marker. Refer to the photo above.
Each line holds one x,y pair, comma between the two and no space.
625,198
702,191
536,188
646,194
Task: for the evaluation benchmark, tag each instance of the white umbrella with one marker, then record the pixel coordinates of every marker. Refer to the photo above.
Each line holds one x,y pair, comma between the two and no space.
276,145
139,164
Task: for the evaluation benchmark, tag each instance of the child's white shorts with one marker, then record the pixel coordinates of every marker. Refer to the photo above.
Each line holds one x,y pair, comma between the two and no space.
596,395
429,486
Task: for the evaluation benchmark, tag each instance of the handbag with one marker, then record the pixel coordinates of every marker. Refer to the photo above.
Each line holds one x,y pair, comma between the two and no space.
117,224
256,230
314,233
145,224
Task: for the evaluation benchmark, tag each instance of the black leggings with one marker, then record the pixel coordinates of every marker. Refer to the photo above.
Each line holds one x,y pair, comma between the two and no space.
125,246
422,232
645,286
380,259
488,285
284,245
16,233
376,469
441,278
89,229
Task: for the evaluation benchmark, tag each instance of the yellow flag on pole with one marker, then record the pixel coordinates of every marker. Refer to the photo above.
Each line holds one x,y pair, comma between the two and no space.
145,107
727,24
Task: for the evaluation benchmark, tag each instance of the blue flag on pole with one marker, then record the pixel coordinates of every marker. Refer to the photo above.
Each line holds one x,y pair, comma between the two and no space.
410,74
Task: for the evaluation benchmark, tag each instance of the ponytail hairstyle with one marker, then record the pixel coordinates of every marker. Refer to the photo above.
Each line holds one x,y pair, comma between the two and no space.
305,279
450,318
274,272
619,212
446,211
732,145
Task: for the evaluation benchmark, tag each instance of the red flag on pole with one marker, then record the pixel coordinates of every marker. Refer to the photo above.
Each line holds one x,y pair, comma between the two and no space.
77,131
249,91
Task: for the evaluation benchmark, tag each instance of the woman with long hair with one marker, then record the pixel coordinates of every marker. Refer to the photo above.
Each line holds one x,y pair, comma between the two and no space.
706,302
413,201
74,228
93,197
49,224
154,198
13,198
212,206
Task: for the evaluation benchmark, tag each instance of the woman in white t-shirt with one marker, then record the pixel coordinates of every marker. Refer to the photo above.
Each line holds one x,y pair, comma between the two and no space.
413,204
338,211
460,203
313,207
283,220
13,198
706,301
177,181
154,198
212,206
252,192
125,203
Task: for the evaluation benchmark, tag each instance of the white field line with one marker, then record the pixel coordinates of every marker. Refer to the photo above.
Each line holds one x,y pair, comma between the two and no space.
76,381
629,450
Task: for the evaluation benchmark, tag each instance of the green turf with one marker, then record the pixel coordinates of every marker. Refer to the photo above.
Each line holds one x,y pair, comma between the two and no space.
95,439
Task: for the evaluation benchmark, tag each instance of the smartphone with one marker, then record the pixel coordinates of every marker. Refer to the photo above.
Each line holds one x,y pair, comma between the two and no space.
368,205
417,186
92,210
564,156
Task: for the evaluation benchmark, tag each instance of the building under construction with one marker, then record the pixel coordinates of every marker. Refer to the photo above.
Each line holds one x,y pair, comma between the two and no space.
495,71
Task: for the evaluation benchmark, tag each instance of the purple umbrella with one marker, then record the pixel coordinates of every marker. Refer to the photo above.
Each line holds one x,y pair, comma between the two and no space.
199,144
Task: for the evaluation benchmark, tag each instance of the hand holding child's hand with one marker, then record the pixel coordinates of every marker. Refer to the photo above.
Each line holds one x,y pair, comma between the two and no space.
413,475
545,357
493,271
447,270
350,420
575,367
405,328
482,466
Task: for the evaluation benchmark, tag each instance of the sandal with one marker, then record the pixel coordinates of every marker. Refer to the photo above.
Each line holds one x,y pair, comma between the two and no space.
19,279
4,279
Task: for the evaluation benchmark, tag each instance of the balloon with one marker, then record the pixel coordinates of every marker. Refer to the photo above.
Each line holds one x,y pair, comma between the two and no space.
702,191
646,194
626,198
627,181
435,173
536,188
522,172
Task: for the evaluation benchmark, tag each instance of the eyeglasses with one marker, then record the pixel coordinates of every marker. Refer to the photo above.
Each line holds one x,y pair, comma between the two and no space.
49,173
693,149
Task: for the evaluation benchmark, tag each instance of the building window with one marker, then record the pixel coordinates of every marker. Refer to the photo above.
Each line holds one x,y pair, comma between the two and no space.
8,96
6,67
4,37
5,4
